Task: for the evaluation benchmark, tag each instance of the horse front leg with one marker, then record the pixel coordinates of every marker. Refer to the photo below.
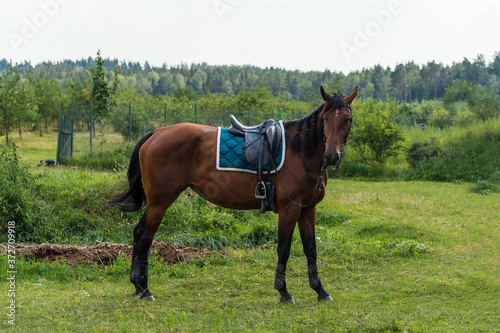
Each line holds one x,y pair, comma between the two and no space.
286,225
307,223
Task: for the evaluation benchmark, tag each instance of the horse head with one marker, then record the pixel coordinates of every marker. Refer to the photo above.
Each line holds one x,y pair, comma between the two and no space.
336,118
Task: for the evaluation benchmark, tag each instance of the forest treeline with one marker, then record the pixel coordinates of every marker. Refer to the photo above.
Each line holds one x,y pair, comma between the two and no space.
392,107
406,82
432,94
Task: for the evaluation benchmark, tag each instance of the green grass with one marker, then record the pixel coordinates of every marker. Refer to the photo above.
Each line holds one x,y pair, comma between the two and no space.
34,148
395,256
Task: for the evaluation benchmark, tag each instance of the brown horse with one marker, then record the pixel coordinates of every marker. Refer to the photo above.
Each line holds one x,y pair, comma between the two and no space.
167,161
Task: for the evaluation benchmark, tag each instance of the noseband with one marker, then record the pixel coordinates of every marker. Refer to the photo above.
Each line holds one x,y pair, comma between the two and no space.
336,166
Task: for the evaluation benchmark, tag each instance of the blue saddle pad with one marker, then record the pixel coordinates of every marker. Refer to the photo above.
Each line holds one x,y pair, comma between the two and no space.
231,153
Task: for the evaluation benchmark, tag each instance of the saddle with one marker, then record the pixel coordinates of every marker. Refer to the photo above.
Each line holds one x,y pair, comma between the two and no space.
262,143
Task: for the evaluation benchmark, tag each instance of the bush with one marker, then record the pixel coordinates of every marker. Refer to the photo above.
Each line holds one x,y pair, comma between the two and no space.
421,152
375,135
465,117
484,187
15,192
441,118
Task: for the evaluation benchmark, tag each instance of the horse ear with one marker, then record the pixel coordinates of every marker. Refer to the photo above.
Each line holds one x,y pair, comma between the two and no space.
351,97
324,94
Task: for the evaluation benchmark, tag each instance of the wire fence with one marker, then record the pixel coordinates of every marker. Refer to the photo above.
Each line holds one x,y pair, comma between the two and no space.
134,121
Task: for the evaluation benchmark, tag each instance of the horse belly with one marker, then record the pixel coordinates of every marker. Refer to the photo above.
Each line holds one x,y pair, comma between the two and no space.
233,190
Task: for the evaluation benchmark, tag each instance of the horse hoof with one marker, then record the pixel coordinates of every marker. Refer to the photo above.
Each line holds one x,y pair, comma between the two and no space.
287,301
149,298
327,298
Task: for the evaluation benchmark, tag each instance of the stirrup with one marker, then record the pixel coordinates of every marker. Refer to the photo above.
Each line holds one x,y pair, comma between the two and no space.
260,190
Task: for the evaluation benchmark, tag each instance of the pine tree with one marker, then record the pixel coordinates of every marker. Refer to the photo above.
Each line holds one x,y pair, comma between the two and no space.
101,96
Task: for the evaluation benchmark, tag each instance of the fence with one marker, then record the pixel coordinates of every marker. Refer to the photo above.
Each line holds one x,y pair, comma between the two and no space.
134,121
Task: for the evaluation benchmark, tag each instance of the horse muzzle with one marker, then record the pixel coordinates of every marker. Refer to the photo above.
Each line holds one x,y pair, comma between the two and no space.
332,158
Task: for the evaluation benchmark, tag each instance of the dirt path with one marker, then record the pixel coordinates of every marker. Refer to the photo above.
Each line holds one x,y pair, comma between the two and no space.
104,253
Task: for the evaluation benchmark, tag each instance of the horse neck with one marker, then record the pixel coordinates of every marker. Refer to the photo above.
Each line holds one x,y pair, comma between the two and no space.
312,161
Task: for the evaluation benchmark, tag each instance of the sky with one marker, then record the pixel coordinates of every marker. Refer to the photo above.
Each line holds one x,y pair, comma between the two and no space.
305,35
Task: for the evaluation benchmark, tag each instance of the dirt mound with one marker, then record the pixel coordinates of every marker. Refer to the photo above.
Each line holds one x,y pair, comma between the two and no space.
104,253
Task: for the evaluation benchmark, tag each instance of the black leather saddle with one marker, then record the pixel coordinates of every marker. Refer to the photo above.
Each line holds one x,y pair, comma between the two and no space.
262,143
264,139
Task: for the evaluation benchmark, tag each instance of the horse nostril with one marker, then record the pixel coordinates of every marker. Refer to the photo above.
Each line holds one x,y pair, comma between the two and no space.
334,158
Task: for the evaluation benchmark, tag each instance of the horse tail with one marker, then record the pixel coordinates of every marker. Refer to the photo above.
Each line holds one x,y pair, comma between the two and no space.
134,197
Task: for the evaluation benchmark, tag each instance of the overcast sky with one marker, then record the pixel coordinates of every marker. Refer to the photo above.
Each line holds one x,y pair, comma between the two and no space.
339,35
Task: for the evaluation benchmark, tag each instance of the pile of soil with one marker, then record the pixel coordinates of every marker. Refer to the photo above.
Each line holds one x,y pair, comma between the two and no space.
103,253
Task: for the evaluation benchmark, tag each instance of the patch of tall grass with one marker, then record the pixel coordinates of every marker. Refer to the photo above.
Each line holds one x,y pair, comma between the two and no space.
67,204
468,153
108,158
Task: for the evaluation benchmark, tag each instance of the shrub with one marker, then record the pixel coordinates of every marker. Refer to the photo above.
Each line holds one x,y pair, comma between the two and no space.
441,118
15,188
484,187
465,117
375,135
421,152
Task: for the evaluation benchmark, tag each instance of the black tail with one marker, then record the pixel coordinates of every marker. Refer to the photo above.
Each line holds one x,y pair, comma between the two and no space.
132,199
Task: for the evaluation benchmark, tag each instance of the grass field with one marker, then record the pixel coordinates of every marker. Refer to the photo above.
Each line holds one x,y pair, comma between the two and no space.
395,256
34,148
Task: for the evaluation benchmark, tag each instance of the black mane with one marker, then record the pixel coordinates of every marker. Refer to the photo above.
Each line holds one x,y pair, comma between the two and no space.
315,132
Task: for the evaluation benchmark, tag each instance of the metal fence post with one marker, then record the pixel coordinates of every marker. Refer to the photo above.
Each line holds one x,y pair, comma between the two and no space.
196,113
72,125
130,120
165,115
59,144
91,125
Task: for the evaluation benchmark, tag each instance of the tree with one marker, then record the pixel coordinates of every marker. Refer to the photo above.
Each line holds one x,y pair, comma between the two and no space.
26,106
375,135
481,101
101,96
48,95
256,98
9,94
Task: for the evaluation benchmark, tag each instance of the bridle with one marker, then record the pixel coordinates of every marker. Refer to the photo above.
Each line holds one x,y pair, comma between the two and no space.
325,163
341,153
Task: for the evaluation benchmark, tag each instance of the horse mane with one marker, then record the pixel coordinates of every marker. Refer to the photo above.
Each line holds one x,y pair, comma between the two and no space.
314,132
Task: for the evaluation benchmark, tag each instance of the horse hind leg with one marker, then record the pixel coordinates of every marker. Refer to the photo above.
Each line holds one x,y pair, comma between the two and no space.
139,268
144,232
